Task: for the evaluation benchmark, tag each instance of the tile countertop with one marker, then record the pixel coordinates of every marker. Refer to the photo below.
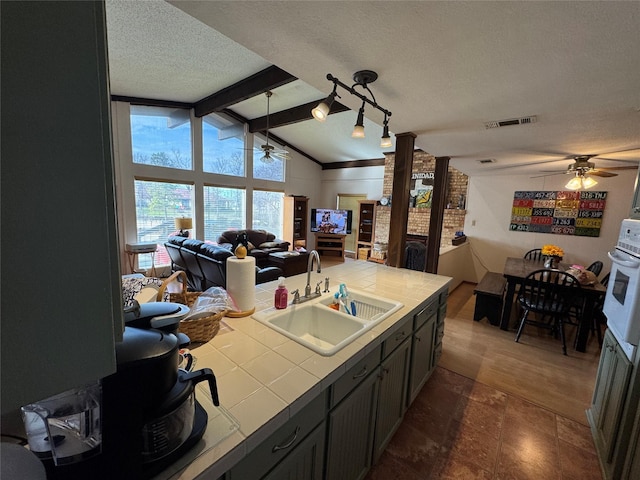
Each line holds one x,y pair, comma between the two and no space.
264,377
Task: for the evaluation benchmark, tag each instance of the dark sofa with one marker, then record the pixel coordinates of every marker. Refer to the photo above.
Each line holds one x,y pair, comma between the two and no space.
261,244
206,264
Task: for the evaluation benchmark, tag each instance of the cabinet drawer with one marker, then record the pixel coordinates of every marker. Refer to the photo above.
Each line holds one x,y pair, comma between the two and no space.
425,314
354,376
283,441
401,333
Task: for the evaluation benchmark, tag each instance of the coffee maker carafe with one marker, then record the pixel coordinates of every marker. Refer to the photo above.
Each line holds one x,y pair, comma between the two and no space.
65,429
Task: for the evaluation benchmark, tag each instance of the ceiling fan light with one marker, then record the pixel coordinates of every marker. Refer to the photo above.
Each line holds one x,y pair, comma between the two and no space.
266,158
588,182
574,184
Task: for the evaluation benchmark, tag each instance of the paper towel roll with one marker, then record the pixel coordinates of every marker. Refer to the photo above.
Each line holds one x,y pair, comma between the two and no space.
241,282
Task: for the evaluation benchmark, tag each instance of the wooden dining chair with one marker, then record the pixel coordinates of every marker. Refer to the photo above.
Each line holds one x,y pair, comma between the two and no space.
535,254
548,293
596,267
599,319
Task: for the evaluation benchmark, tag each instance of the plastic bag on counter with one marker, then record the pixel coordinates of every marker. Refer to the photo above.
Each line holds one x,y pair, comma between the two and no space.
211,301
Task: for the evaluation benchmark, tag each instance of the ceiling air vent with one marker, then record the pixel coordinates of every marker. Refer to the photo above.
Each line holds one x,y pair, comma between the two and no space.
487,160
511,121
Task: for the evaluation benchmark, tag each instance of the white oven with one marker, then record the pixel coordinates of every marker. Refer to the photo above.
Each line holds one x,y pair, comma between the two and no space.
622,302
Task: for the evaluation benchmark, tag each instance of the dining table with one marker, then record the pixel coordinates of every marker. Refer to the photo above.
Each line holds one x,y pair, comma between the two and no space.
517,269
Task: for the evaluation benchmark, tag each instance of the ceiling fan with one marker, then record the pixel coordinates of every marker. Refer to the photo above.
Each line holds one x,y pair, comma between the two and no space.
582,168
270,152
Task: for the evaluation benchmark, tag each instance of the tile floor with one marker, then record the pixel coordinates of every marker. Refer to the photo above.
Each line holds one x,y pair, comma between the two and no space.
461,429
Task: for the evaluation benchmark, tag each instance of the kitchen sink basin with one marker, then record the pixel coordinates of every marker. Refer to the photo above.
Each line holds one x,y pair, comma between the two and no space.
323,329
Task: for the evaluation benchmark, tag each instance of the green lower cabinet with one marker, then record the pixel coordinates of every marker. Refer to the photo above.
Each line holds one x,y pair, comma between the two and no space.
305,462
606,411
394,377
299,440
350,432
422,360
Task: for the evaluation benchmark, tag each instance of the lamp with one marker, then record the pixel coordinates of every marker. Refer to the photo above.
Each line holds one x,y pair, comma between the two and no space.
385,141
183,224
361,78
321,112
580,181
358,128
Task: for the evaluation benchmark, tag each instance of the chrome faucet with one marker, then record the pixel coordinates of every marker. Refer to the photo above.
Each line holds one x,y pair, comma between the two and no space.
312,254
307,289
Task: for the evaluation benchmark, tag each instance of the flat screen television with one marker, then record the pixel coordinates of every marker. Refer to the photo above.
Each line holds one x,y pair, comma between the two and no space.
326,220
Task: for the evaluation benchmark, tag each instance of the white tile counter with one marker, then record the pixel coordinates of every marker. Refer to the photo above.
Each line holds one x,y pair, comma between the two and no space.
264,377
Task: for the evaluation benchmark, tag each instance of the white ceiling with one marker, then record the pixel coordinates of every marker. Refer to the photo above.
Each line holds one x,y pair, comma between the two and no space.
445,68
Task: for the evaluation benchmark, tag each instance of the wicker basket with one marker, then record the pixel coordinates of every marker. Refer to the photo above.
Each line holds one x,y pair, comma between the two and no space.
200,329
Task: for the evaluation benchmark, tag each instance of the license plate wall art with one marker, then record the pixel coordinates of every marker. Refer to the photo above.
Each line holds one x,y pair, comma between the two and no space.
563,212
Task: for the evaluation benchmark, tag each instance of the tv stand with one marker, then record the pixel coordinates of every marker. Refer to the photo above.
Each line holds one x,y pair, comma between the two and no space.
330,244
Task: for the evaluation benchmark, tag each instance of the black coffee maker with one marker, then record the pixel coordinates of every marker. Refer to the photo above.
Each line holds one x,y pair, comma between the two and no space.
150,415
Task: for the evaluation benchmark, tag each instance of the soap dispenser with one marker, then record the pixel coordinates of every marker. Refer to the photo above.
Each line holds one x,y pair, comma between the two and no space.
281,296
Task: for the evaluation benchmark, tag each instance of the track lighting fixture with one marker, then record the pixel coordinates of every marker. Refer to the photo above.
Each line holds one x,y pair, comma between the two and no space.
580,181
361,78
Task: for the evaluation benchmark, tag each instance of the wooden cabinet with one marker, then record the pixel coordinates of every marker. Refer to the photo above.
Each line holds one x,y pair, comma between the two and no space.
394,372
297,446
305,462
632,465
422,355
366,224
330,245
350,432
609,396
635,207
67,200
295,221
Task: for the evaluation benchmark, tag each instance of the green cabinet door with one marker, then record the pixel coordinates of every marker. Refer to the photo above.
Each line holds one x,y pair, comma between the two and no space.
350,432
305,462
612,383
421,356
391,398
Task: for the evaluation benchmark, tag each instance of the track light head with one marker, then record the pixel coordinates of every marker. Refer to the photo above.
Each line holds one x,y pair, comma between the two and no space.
321,111
385,141
358,128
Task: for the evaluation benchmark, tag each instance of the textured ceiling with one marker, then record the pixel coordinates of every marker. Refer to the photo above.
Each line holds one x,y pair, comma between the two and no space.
445,68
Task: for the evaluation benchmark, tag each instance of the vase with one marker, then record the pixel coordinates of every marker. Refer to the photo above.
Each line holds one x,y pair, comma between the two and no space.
552,261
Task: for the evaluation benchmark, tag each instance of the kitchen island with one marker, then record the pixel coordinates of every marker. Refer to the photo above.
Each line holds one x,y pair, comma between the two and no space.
265,379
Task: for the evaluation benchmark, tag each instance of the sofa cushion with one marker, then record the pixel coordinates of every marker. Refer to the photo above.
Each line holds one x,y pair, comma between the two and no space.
216,252
269,245
192,244
177,240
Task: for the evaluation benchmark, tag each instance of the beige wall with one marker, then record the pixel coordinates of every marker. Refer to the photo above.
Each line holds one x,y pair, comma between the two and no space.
489,210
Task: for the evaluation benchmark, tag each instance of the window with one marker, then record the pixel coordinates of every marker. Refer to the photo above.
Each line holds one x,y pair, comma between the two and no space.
271,168
224,209
157,205
267,211
223,146
161,137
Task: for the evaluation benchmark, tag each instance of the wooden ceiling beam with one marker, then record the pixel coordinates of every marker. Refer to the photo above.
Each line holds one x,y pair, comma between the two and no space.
301,113
268,79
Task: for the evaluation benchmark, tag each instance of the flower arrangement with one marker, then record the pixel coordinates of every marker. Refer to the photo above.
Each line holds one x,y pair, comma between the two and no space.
552,251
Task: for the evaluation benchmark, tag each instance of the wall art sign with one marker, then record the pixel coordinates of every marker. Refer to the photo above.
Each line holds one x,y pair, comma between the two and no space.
564,213
421,189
